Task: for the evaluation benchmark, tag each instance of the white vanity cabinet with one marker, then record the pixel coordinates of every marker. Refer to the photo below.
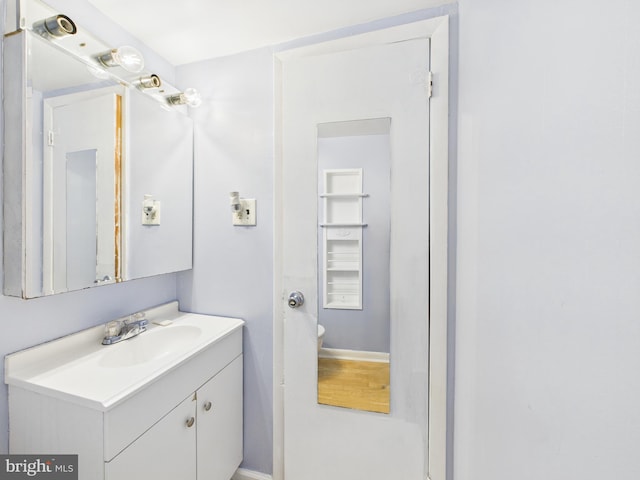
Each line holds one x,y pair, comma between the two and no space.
201,438
164,405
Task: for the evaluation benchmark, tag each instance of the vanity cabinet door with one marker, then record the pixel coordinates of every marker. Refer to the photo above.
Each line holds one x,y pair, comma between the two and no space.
220,424
167,451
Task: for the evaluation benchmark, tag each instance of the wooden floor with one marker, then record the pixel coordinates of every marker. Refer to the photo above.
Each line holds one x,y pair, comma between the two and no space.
354,384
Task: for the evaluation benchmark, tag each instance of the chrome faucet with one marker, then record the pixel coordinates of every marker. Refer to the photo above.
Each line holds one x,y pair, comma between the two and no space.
118,330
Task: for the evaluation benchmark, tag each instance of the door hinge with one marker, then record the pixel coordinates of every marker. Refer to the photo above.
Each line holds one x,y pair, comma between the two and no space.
50,138
429,84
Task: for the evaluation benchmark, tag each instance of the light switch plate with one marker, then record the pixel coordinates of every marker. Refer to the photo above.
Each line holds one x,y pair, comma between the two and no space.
151,217
247,214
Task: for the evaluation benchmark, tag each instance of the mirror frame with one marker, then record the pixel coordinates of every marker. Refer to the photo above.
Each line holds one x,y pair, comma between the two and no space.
16,208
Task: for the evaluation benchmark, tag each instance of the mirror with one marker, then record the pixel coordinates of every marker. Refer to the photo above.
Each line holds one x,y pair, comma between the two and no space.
354,186
93,153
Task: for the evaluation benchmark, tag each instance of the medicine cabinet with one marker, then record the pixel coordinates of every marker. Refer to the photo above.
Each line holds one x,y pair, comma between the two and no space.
83,145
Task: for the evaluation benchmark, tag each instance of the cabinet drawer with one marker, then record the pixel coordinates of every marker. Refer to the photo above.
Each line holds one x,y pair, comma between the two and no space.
129,420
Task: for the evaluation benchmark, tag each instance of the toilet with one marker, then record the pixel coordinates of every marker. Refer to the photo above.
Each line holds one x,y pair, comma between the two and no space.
320,336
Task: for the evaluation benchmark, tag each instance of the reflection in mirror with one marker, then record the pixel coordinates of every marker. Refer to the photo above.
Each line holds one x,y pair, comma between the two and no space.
77,117
160,150
354,185
79,229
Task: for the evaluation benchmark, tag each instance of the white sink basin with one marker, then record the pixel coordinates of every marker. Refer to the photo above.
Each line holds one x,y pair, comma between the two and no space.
80,369
149,345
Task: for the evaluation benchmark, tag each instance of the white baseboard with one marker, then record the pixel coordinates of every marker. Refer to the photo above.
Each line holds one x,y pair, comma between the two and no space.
244,474
354,355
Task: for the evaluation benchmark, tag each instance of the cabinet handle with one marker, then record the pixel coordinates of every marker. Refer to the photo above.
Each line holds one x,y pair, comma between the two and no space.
207,406
190,422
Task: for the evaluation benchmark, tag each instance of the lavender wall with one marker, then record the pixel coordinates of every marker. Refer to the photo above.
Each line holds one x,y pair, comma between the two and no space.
548,323
233,266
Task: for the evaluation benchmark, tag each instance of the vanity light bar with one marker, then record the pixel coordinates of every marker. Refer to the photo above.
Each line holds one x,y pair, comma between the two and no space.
126,57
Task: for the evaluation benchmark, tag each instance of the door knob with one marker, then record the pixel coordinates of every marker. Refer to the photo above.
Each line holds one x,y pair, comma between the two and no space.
296,299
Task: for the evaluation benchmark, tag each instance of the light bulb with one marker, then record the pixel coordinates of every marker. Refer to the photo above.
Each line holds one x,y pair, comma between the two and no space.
126,57
190,97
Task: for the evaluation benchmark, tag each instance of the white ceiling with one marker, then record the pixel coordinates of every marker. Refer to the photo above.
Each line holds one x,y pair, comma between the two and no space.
186,31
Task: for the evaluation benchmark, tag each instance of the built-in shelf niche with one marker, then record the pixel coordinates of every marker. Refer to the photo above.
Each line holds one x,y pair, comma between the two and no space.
342,238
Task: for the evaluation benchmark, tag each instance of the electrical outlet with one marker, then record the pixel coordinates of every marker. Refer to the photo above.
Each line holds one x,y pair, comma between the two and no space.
246,216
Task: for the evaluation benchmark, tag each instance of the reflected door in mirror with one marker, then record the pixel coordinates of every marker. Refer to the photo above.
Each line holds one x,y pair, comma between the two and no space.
81,170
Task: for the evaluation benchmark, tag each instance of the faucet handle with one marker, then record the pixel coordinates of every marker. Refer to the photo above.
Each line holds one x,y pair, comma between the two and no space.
137,317
113,328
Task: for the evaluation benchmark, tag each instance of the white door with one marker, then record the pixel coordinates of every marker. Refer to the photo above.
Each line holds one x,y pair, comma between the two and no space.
383,81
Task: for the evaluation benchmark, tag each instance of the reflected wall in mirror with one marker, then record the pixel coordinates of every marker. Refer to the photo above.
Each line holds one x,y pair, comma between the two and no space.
160,151
82,149
354,173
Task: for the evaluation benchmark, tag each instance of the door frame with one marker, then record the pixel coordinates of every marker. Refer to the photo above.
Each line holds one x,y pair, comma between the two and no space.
437,30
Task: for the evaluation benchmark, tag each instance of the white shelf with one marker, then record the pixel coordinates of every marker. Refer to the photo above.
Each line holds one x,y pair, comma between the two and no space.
343,195
342,238
342,225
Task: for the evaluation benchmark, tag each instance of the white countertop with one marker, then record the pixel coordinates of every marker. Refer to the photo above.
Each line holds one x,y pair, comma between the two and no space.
80,369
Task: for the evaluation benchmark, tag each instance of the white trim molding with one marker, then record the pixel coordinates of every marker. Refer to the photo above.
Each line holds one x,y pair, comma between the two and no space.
342,354
244,474
439,254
